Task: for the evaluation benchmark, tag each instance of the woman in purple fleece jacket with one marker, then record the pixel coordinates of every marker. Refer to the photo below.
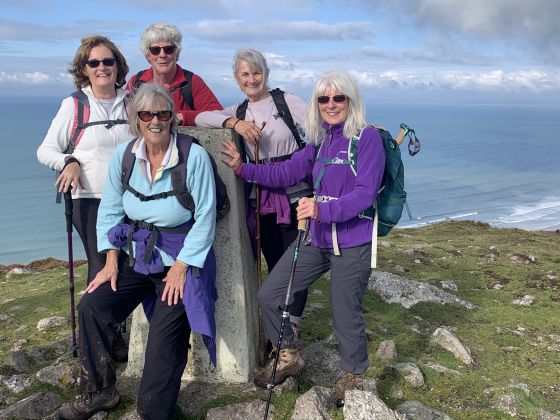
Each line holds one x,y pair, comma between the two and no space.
340,238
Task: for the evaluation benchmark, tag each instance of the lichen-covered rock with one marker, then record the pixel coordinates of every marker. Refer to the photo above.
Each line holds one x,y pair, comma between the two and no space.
387,350
313,405
245,411
18,360
322,364
363,405
411,374
35,406
415,410
51,323
63,375
507,404
451,343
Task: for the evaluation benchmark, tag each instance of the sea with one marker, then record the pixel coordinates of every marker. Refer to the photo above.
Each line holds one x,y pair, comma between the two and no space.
494,163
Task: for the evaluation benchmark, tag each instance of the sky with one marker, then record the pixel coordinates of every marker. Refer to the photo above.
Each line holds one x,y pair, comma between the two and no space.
441,51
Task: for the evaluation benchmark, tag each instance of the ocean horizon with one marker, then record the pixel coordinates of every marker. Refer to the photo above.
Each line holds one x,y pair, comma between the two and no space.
493,163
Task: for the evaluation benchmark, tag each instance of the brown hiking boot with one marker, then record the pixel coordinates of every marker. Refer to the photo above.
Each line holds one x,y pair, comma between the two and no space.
290,363
347,382
87,404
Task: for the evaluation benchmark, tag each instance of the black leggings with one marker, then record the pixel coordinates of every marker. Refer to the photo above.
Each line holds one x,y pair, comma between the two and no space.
275,240
84,219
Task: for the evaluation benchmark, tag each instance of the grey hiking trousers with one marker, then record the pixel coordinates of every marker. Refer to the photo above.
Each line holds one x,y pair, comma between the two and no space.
350,273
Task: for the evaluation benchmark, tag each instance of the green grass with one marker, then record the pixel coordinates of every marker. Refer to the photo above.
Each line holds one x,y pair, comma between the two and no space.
509,343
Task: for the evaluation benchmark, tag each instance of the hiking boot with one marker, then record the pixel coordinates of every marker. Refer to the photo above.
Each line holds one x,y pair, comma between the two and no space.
347,382
87,404
297,334
120,348
290,363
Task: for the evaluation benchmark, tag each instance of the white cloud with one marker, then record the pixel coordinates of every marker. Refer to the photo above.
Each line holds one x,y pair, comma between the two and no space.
240,30
32,78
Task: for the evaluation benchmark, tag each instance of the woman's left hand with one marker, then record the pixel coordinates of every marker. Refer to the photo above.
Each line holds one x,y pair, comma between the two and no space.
230,155
175,283
307,208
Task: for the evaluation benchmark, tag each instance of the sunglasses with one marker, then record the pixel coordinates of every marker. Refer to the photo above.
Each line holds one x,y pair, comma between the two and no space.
107,62
168,49
325,99
413,141
148,116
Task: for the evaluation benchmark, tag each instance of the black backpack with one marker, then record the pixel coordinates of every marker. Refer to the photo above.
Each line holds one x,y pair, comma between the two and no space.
283,112
186,87
178,178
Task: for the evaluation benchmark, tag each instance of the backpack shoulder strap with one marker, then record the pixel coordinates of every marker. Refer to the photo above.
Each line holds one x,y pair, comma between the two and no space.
179,173
240,114
286,115
139,82
186,88
81,118
127,165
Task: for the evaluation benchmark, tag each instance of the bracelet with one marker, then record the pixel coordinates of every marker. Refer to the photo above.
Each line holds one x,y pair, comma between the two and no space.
233,128
70,160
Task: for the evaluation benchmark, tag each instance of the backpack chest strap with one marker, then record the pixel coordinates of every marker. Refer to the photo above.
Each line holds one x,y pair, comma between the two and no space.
327,162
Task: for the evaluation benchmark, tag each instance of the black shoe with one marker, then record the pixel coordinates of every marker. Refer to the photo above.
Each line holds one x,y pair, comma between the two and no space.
120,348
86,405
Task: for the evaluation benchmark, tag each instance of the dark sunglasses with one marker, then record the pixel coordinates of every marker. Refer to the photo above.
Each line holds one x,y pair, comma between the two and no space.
326,99
148,116
107,62
168,49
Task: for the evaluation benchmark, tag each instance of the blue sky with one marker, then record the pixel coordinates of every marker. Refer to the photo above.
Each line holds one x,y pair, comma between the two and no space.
472,51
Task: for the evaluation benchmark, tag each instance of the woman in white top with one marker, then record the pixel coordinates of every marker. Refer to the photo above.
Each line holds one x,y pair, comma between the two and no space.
99,71
276,143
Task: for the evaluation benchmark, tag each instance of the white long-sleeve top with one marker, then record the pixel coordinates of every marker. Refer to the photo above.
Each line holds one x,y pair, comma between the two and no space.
94,149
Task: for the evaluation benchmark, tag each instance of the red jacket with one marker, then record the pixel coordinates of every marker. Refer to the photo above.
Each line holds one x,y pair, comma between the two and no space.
203,98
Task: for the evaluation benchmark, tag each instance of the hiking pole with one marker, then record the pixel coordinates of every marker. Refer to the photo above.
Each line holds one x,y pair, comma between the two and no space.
259,251
68,214
302,230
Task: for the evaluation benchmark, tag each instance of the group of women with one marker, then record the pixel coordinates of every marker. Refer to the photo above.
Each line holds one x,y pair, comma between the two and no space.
171,268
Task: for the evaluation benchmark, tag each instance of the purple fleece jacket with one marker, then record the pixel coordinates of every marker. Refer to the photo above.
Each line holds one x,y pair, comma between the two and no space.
354,193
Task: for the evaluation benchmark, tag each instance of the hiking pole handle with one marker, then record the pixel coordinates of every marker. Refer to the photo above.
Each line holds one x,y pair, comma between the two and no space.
302,225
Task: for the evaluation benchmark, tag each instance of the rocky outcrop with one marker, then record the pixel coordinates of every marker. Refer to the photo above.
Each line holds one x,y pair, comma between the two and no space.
396,289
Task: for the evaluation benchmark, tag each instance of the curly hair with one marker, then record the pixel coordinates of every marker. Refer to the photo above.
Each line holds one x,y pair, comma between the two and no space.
77,68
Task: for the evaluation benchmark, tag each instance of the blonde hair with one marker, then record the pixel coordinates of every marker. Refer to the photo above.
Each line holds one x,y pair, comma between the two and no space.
346,85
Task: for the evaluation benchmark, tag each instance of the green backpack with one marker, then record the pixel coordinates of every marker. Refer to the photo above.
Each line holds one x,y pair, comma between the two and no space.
387,209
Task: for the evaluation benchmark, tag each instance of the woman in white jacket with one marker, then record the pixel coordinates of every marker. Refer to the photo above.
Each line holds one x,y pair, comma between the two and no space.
99,71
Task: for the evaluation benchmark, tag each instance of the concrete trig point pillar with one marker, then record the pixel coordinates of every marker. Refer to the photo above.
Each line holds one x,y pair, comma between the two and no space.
236,307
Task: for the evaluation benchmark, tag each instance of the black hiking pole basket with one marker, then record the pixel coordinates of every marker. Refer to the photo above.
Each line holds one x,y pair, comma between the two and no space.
302,230
68,214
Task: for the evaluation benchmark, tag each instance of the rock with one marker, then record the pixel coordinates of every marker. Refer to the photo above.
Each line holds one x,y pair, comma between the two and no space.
18,360
245,411
312,307
331,340
449,285
414,410
526,300
313,405
35,406
322,364
520,385
18,271
317,292
100,415
37,354
289,385
370,385
441,369
392,288
63,375
131,415
397,394
51,323
451,343
17,383
411,373
4,317
363,405
545,415
387,350
507,404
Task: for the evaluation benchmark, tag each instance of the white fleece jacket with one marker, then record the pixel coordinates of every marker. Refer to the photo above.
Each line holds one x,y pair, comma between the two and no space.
95,147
